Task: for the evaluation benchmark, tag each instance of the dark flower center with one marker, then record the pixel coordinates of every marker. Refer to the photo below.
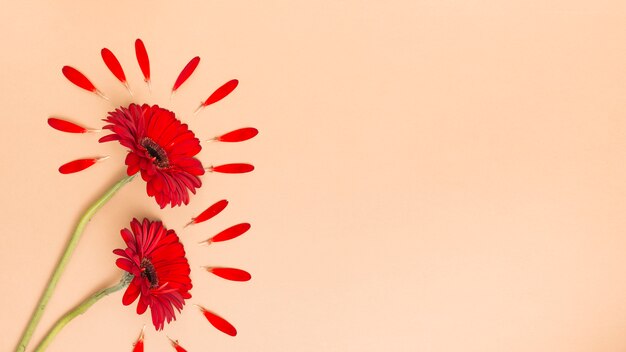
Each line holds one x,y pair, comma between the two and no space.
148,271
156,152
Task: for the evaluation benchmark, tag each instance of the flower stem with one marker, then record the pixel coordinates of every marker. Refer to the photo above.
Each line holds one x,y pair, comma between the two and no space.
65,257
80,309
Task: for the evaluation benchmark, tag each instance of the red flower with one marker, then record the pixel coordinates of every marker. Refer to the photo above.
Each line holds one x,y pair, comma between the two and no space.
156,259
161,147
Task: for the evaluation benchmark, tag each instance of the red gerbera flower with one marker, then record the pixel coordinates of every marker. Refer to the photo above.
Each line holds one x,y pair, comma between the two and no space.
161,147
156,259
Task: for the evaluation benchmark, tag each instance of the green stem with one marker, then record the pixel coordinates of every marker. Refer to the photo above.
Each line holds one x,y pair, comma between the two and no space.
65,257
80,309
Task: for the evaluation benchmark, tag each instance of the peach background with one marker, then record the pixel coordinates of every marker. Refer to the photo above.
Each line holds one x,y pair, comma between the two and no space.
431,175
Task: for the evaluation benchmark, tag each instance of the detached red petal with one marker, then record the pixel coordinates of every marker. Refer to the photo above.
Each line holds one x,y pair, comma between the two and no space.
240,135
218,322
210,212
77,165
230,273
139,344
142,59
238,168
186,72
221,92
66,126
230,233
76,77
176,346
113,64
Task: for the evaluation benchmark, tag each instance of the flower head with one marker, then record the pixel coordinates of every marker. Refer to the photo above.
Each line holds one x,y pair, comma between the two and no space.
156,258
161,148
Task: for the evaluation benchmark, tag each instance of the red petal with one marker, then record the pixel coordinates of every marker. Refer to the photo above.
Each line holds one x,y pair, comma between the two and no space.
221,92
231,274
219,323
186,72
230,233
74,76
232,168
113,64
65,126
142,305
124,264
109,138
77,165
240,135
139,344
177,347
210,212
132,292
142,59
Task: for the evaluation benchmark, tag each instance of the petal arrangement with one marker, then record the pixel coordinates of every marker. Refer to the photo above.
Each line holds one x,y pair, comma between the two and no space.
160,147
155,257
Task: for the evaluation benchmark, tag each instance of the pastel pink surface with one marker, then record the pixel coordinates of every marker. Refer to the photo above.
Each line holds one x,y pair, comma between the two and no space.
429,175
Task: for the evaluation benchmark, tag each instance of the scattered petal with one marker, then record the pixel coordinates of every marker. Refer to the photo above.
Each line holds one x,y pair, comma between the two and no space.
139,344
230,273
220,93
218,322
176,346
142,59
240,135
186,72
209,212
238,168
78,165
230,233
80,80
66,126
113,64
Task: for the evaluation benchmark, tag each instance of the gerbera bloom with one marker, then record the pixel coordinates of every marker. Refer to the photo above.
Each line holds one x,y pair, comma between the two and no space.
156,259
161,148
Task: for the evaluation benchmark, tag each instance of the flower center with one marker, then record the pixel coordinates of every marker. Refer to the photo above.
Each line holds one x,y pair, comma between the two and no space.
156,152
148,271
